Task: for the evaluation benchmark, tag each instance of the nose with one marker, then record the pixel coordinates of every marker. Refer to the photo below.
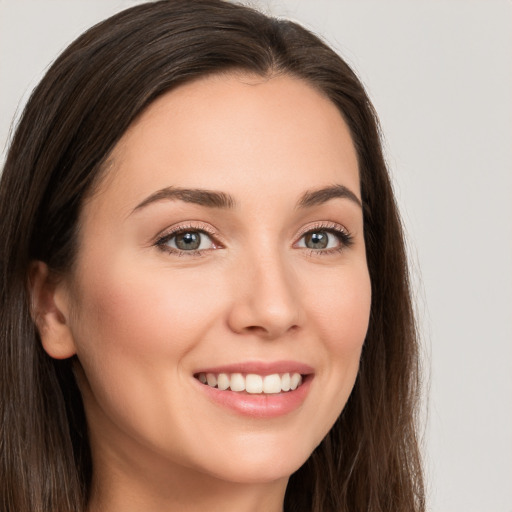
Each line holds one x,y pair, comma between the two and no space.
266,302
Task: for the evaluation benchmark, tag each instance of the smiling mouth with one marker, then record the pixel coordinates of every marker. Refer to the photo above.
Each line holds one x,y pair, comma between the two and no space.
252,383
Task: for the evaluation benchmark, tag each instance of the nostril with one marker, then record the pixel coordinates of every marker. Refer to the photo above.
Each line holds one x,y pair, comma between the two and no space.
269,333
256,328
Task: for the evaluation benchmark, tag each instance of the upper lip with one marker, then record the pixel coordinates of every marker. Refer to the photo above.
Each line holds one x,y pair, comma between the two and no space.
260,368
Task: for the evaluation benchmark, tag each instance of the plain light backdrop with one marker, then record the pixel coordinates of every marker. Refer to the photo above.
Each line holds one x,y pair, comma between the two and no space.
440,75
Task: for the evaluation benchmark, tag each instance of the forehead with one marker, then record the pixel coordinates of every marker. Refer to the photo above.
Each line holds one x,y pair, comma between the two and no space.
236,133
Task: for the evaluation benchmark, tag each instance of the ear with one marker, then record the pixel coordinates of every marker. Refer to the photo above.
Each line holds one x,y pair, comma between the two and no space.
50,311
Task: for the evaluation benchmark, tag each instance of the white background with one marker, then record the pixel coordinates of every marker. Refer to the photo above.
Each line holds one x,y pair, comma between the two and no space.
440,75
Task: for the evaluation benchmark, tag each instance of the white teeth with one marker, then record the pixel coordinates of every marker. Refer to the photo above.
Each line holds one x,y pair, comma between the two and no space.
211,379
285,382
223,381
237,382
252,383
295,381
272,383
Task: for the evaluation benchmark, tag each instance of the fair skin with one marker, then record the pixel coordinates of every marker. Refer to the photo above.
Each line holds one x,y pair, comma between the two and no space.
273,280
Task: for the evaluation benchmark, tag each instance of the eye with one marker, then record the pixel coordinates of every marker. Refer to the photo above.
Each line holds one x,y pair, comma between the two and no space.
325,240
186,240
320,240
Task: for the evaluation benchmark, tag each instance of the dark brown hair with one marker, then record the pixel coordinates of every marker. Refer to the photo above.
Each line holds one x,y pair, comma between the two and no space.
370,459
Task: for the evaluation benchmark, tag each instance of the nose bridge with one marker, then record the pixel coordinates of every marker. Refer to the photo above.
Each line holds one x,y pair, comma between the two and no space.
266,301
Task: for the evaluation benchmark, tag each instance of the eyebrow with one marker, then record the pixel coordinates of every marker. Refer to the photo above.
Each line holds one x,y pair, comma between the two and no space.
208,198
322,195
215,199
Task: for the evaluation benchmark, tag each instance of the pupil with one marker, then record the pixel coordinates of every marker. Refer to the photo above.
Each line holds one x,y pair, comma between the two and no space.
187,241
316,240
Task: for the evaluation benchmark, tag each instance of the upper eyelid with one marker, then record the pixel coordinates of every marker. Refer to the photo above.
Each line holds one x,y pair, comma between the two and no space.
323,225
180,228
209,230
164,237
341,232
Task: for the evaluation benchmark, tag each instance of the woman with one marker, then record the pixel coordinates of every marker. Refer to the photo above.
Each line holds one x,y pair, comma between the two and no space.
205,299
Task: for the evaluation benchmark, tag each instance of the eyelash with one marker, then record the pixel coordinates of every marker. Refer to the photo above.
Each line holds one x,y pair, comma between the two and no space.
341,233
344,237
195,228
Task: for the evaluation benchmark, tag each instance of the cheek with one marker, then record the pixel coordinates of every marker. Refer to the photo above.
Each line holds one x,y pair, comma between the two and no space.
341,309
340,314
142,312
135,328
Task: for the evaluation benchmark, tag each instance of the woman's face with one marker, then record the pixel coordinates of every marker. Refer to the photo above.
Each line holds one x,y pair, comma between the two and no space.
225,244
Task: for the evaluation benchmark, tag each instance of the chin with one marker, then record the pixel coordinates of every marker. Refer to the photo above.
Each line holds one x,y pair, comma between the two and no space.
264,465
258,473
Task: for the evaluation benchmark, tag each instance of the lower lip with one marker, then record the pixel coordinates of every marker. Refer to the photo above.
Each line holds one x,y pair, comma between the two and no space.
260,405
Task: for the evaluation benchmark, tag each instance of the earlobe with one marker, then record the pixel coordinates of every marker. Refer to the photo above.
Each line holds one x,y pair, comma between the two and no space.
49,311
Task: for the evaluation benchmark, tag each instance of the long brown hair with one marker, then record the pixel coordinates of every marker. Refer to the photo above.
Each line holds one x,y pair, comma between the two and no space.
370,459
